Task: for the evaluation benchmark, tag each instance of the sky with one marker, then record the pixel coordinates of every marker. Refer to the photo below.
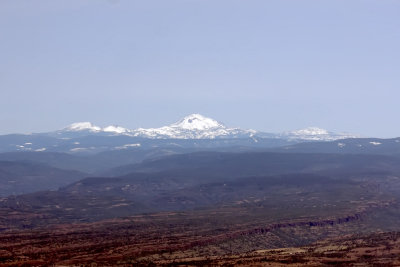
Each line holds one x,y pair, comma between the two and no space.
262,64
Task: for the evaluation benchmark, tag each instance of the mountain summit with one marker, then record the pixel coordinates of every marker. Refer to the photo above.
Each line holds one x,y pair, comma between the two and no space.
194,126
197,122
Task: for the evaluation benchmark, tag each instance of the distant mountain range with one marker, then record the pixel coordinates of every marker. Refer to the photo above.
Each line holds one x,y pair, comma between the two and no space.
193,131
196,126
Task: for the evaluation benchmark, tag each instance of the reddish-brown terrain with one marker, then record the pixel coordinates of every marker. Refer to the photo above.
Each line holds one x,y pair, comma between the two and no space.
226,236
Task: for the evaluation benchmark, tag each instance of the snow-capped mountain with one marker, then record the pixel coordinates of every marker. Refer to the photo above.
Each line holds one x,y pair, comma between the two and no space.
197,122
196,126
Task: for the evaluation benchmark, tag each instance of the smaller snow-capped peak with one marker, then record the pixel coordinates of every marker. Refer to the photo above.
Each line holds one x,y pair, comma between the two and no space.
88,126
82,126
197,122
316,134
310,131
115,129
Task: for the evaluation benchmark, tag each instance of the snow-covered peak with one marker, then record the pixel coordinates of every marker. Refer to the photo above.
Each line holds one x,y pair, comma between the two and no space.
82,126
194,126
115,129
197,122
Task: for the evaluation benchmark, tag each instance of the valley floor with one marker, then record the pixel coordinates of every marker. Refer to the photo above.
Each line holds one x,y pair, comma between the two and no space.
205,237
379,249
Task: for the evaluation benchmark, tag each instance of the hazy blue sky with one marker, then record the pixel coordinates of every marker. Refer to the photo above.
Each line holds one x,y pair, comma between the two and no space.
267,65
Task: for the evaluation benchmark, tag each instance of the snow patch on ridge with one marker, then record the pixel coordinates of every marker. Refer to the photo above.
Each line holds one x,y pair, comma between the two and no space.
341,145
128,146
375,143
